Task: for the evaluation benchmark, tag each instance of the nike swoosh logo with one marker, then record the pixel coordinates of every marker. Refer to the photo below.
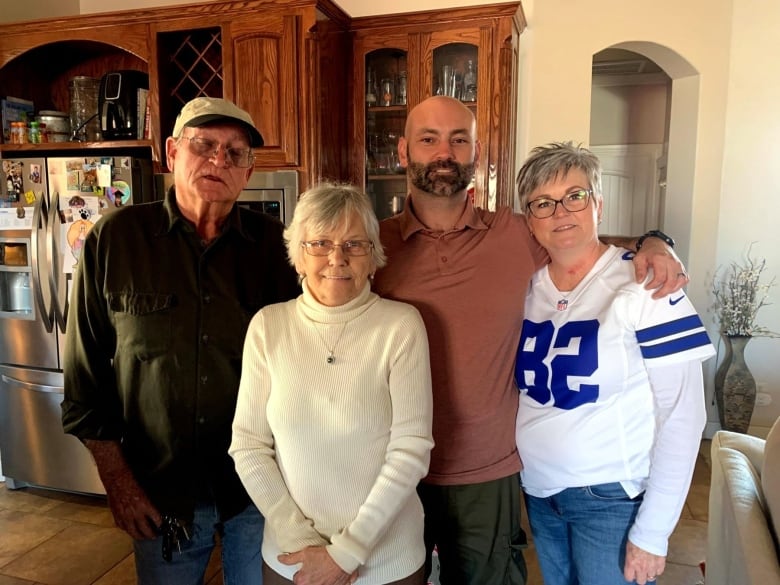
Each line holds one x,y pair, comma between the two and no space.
677,300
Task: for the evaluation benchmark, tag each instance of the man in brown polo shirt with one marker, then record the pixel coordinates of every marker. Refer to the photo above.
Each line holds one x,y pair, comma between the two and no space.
466,270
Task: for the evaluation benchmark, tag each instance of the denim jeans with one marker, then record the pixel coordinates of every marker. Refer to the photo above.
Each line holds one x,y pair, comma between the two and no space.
580,534
242,563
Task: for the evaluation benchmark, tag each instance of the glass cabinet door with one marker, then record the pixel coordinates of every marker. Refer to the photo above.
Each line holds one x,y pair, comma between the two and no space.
455,67
386,98
455,73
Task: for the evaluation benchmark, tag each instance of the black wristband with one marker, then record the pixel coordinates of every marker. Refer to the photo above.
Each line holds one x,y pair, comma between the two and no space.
654,234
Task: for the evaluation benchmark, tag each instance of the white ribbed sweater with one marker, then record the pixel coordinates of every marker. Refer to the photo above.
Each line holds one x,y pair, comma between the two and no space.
331,454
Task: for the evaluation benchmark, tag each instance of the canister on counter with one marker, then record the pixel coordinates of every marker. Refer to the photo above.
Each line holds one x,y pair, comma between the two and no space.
57,125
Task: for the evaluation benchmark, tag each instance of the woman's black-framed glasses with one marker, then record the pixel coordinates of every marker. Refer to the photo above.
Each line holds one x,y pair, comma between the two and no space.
545,207
238,157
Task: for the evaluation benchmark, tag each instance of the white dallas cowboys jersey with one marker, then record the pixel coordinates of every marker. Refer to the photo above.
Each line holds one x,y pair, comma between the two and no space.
586,413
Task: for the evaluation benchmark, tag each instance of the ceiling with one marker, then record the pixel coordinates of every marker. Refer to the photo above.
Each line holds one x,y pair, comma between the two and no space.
622,63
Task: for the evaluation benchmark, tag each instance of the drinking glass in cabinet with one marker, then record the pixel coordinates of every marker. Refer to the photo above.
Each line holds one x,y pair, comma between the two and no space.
371,88
470,83
391,148
448,80
387,92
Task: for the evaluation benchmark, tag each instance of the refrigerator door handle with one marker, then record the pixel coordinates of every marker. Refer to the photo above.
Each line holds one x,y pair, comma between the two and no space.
32,386
51,256
40,215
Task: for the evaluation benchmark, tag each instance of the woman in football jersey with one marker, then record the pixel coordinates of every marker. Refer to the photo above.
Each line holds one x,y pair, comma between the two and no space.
611,393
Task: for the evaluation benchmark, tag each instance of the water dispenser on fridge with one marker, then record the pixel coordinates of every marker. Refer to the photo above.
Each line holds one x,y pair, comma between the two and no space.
15,287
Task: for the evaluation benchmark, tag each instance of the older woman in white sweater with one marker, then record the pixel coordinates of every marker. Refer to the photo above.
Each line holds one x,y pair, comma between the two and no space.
332,430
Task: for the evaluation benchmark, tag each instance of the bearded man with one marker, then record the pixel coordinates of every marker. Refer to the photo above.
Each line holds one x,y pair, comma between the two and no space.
467,271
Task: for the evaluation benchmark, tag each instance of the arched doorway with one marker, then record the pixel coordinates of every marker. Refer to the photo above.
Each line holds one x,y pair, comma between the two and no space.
650,77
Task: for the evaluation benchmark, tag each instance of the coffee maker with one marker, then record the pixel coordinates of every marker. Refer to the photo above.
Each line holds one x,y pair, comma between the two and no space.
122,104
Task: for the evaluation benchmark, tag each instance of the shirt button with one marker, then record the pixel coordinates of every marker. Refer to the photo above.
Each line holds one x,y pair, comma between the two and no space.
443,258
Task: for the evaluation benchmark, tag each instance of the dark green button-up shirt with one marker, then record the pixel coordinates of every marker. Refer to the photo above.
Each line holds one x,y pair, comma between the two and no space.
154,340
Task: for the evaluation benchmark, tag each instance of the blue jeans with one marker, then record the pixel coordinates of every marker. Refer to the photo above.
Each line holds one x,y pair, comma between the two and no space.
580,534
242,563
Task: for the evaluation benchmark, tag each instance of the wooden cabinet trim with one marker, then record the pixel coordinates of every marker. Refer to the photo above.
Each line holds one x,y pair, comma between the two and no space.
428,20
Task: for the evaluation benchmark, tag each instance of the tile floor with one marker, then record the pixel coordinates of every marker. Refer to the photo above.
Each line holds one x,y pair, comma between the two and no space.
52,538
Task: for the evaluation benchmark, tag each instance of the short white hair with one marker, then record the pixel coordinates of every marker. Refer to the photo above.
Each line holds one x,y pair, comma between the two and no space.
324,208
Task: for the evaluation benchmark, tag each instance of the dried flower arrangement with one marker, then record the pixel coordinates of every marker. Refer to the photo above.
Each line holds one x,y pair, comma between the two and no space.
738,297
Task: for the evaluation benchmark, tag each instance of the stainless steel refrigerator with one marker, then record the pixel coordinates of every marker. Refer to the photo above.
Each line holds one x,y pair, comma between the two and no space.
47,206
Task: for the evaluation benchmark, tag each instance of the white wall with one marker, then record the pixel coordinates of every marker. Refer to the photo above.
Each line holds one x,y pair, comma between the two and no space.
628,114
13,11
750,175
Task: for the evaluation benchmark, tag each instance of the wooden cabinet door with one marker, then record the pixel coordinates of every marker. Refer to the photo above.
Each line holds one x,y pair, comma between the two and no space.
379,116
261,64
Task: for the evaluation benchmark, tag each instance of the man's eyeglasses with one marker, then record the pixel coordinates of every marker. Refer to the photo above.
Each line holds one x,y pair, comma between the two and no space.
238,157
545,207
349,248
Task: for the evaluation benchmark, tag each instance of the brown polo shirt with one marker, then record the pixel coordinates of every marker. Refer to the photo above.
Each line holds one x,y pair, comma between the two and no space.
469,283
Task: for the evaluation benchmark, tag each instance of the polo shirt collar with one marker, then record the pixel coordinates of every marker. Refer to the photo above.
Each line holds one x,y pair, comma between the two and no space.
410,224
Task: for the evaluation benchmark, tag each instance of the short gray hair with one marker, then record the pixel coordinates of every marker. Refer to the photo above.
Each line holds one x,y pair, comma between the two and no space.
327,206
547,163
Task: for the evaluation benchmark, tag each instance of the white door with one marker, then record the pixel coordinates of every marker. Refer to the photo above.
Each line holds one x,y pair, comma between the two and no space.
630,185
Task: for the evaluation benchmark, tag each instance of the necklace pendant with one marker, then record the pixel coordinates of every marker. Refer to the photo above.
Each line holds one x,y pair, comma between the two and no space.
563,304
331,359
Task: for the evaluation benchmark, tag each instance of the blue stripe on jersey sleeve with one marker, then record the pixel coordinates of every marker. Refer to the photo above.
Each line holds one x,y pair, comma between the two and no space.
675,327
677,345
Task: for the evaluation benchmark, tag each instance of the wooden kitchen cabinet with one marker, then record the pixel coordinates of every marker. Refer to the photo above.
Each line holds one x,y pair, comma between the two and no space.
39,58
284,61
300,68
274,59
479,47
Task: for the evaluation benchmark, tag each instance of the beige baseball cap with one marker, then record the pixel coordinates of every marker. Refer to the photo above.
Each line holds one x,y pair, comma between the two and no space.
207,110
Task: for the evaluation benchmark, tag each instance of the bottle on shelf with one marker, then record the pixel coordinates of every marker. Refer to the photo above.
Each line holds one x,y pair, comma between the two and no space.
400,97
18,132
470,83
35,132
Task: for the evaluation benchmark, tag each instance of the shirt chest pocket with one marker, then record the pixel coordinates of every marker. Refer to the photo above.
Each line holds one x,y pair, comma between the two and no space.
143,322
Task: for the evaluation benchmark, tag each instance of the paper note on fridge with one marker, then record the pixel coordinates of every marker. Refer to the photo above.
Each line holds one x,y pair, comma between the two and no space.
14,218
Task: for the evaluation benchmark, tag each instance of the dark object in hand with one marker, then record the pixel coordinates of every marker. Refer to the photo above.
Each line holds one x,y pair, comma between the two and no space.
173,531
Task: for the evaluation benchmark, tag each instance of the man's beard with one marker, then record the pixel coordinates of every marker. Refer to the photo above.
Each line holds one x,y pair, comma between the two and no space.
427,179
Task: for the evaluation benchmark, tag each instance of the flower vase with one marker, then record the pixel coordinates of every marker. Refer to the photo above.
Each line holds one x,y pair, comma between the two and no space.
735,387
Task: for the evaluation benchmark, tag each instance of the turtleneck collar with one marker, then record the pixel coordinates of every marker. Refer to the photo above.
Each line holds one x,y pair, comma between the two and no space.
315,311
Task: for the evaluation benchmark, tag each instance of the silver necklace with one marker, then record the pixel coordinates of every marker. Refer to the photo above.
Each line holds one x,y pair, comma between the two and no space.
331,359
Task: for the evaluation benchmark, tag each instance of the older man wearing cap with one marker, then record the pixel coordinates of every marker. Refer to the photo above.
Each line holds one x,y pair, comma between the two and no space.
160,305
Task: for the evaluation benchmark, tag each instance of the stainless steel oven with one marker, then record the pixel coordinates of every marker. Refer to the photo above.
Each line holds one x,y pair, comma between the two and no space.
272,192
